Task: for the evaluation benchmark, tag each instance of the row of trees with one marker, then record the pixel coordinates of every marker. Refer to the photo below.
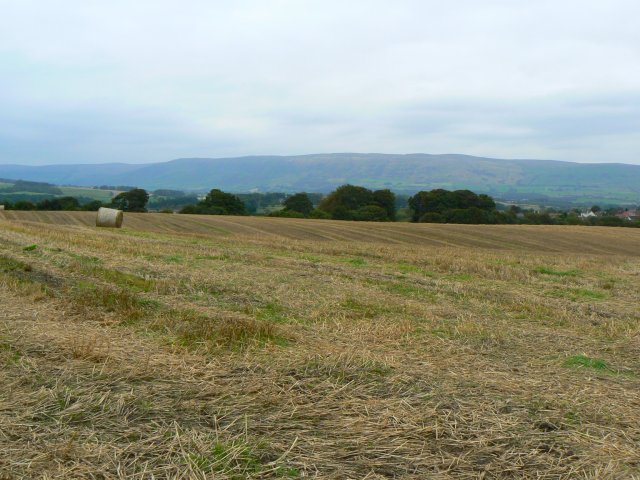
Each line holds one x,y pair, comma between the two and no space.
134,200
460,206
58,203
33,187
348,202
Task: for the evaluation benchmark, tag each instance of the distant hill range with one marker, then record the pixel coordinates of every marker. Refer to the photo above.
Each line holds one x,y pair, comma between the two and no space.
523,180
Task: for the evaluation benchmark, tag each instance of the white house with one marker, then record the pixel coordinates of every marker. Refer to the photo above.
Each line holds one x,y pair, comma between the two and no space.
587,214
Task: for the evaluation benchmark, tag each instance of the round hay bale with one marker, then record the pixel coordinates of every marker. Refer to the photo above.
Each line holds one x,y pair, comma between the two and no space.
109,217
1,208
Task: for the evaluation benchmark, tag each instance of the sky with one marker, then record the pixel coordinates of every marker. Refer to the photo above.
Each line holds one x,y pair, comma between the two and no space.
93,81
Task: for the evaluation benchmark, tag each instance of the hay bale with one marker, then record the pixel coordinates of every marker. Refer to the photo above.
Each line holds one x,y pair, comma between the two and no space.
1,208
109,217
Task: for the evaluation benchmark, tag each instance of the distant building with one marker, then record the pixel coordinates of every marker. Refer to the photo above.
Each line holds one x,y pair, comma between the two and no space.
587,214
631,215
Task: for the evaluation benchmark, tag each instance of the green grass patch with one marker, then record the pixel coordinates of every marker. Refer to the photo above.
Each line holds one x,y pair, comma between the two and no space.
236,459
30,248
8,354
357,262
117,300
9,265
271,312
174,258
557,273
227,458
311,258
459,277
596,364
84,259
407,290
410,268
125,280
582,361
193,329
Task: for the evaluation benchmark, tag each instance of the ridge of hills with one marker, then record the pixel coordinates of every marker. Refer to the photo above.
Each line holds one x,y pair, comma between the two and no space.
533,180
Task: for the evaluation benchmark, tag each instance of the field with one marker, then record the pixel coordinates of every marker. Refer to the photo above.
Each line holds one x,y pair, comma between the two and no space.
93,193
85,192
242,347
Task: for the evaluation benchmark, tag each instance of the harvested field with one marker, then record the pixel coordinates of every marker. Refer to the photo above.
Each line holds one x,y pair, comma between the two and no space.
536,238
187,347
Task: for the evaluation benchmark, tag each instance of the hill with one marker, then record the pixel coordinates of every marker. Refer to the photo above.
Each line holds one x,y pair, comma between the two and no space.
533,180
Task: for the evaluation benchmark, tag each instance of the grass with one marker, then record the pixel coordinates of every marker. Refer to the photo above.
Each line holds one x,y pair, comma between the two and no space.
92,193
557,273
586,362
578,294
125,280
9,264
262,353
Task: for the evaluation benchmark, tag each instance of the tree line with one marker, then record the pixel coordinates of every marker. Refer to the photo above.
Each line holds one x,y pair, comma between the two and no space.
134,200
347,202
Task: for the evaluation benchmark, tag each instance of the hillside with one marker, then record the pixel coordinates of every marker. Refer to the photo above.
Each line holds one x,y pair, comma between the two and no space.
511,179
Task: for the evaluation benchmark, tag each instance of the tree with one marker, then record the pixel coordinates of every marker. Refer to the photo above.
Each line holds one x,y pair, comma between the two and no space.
132,201
24,205
440,201
60,203
371,213
218,202
386,200
596,209
92,206
300,203
320,215
349,202
346,197
189,209
286,213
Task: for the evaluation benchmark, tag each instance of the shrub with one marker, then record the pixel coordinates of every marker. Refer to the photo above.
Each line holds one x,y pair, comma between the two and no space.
350,202
286,213
431,217
320,214
371,213
300,203
218,202
189,209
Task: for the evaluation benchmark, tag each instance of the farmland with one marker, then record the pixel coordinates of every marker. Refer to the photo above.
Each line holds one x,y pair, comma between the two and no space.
81,192
242,347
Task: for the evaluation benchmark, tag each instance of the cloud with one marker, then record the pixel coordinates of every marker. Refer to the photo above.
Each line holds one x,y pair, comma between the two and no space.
90,81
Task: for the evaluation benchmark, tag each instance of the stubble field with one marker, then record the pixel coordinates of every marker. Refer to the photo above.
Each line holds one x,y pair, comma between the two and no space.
226,347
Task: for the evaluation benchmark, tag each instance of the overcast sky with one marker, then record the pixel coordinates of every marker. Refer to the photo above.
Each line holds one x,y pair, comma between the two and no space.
151,80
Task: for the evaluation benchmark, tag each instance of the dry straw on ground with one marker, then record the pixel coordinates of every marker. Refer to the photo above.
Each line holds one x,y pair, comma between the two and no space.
275,348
